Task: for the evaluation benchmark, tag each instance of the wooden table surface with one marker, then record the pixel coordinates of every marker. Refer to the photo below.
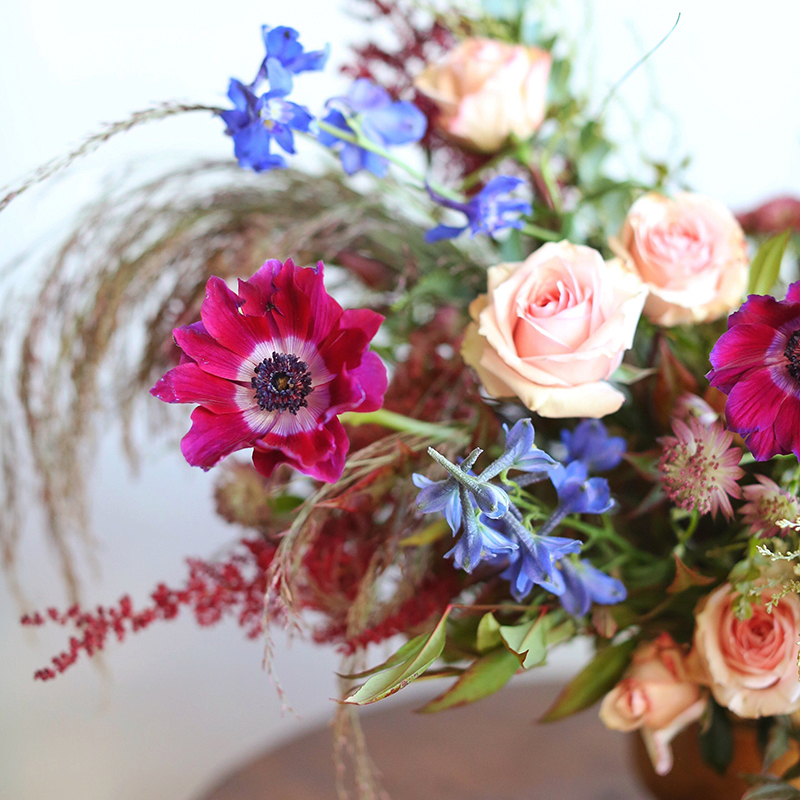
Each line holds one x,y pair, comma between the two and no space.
491,750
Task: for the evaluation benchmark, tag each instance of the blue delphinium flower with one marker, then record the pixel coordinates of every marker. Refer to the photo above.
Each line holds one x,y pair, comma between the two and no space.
282,45
489,211
382,120
533,563
591,444
520,454
256,121
577,493
585,584
483,539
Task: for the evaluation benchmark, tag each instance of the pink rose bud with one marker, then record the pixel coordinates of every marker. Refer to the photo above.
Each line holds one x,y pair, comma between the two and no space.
656,696
690,252
552,330
750,665
486,90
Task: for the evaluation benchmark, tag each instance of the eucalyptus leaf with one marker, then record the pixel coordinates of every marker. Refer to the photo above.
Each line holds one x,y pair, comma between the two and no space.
399,675
483,677
593,681
766,265
528,641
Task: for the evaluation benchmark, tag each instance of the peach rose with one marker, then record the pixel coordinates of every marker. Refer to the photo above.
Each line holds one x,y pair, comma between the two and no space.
750,665
658,697
690,252
486,90
552,329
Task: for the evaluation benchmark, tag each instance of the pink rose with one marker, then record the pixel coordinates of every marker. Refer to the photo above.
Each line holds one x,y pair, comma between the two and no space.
656,696
552,329
750,665
690,252
486,90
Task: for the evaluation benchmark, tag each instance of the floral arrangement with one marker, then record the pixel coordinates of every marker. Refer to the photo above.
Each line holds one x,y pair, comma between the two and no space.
566,404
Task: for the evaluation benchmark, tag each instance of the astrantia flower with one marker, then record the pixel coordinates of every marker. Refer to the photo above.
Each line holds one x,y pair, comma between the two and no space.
256,121
490,211
591,444
382,121
699,467
757,364
766,505
585,584
270,368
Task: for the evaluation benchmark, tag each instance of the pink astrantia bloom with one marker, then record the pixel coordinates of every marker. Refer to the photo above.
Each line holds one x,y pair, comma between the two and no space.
757,364
768,504
270,368
699,467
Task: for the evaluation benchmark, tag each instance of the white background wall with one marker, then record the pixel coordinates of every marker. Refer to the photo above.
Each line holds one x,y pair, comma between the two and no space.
180,704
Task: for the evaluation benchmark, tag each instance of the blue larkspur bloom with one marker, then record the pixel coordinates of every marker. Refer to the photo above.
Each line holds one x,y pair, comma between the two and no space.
483,538
520,453
577,492
255,121
591,444
533,563
439,496
585,584
491,210
282,44
382,120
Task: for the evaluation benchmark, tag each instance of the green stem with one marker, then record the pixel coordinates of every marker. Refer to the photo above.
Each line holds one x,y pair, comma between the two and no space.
475,176
545,234
364,143
399,422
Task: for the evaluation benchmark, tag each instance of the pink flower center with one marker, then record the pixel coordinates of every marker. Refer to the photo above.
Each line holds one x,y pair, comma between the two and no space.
282,383
792,352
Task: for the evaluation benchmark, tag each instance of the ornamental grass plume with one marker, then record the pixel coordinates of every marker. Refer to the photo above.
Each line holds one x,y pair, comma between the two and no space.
699,467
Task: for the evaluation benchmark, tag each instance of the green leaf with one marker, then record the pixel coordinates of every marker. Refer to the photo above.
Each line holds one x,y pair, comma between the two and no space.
528,641
772,791
483,677
777,743
593,681
488,633
408,650
628,374
716,738
399,675
767,263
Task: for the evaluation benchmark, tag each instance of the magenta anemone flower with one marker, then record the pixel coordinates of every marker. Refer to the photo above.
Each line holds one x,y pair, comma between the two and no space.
270,368
757,364
699,468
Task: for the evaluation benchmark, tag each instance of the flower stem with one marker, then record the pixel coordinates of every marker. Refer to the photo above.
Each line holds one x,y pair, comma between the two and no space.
399,422
363,142
545,234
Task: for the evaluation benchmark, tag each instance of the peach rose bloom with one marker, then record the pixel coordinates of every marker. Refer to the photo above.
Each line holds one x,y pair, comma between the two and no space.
658,697
486,90
552,329
690,252
750,665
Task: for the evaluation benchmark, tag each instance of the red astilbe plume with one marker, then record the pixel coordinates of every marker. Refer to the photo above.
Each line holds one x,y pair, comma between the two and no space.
233,587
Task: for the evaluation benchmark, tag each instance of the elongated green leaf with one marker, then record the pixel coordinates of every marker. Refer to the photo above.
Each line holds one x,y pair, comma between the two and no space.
400,675
773,791
483,677
592,682
488,637
407,651
716,739
767,263
528,641
628,374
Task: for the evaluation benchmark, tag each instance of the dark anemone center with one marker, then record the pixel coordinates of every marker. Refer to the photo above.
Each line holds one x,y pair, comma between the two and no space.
792,353
282,383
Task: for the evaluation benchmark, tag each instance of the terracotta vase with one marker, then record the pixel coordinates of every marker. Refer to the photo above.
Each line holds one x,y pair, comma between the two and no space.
692,779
